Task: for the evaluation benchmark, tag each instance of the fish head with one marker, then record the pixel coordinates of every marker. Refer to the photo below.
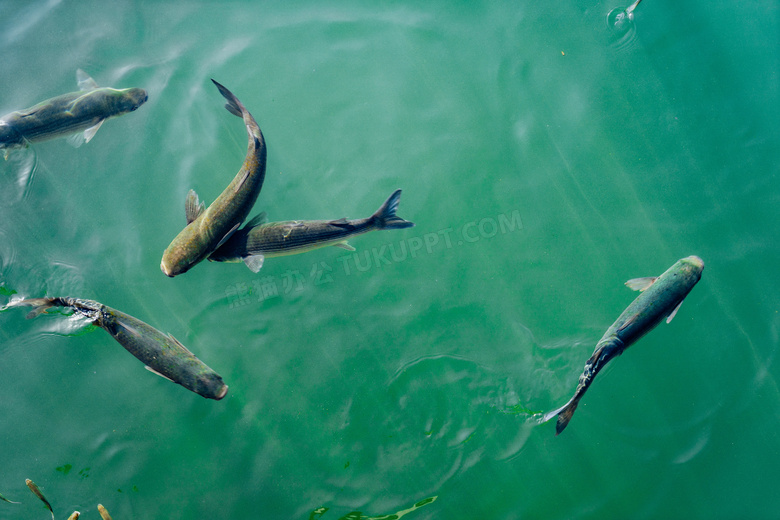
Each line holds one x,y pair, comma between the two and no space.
172,268
120,101
210,385
132,98
692,266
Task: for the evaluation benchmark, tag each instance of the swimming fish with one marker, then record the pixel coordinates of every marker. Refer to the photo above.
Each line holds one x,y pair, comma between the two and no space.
630,9
661,298
37,493
207,229
103,513
160,353
74,515
9,501
76,114
257,241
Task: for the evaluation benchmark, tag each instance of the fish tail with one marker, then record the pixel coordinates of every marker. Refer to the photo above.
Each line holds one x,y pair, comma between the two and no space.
235,107
564,414
87,308
385,217
39,305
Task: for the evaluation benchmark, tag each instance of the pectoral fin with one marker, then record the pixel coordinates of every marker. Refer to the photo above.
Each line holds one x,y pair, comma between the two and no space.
254,262
85,81
674,313
192,206
640,284
344,245
153,371
229,233
90,132
75,140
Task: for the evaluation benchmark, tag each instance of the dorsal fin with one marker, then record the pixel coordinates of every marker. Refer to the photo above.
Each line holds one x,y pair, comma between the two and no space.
192,206
178,343
85,81
258,220
640,284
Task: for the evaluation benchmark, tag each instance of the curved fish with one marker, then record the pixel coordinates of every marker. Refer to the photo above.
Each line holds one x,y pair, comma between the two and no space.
661,298
257,241
76,114
207,229
161,353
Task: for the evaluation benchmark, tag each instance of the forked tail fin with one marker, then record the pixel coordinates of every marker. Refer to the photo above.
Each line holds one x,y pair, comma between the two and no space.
564,414
385,217
39,305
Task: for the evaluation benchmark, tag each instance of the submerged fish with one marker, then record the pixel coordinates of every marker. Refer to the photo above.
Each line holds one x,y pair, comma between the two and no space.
161,353
661,298
77,114
257,241
207,229
103,513
74,515
37,493
6,500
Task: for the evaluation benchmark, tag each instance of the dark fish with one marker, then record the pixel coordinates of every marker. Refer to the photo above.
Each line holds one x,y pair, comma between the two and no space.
37,493
207,229
661,298
257,241
77,114
6,500
161,353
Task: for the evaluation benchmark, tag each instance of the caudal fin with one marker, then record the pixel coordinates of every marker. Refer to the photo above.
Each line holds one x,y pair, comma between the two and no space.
39,305
233,105
385,217
564,414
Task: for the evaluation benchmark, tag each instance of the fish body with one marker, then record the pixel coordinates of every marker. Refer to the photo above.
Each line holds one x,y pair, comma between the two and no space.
103,513
207,229
660,299
69,114
37,493
161,353
257,241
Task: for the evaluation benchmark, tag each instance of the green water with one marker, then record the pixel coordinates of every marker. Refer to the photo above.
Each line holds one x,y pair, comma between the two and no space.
545,158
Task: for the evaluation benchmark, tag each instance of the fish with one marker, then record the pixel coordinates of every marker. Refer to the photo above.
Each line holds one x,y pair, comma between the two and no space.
660,298
37,493
209,228
9,501
257,241
74,515
103,513
76,114
161,353
630,9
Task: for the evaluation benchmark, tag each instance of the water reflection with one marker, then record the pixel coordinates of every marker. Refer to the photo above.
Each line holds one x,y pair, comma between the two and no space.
621,26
